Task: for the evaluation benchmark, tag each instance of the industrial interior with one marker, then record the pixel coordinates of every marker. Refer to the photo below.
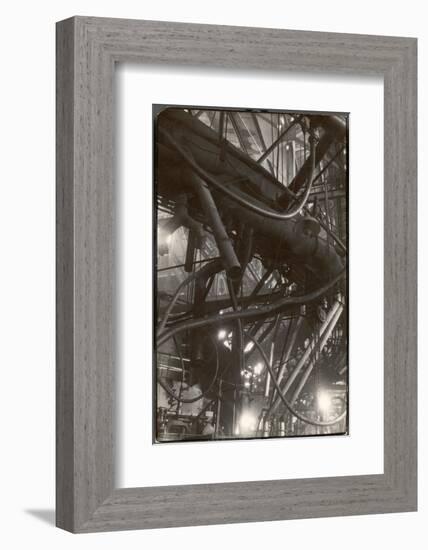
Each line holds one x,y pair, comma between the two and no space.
250,274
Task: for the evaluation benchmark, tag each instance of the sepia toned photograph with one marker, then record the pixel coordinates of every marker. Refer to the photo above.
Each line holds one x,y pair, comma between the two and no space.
250,273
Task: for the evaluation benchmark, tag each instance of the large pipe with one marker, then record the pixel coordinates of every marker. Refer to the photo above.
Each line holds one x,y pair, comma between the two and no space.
296,323
311,365
308,351
237,197
311,249
224,244
292,410
280,305
186,128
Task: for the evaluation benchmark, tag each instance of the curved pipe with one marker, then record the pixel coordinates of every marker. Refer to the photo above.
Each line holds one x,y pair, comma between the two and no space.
283,241
269,225
183,283
251,313
311,365
208,151
231,194
289,406
224,244
311,347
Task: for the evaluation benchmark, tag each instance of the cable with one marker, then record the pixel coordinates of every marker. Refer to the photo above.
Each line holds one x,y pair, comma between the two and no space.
183,283
268,213
231,194
251,313
284,399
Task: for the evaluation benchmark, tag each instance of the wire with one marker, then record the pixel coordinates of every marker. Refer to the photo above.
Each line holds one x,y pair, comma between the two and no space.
251,313
172,303
177,266
270,213
284,399
231,194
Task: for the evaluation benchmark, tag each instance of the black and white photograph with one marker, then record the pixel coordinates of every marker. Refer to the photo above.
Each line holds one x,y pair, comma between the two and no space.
212,242
251,273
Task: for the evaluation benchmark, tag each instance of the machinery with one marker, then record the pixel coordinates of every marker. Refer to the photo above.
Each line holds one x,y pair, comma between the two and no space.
251,274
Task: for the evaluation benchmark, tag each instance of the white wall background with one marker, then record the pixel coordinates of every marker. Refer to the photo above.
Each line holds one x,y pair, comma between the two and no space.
27,271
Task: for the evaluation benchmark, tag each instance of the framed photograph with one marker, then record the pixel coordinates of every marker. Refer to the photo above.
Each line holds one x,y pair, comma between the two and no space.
236,274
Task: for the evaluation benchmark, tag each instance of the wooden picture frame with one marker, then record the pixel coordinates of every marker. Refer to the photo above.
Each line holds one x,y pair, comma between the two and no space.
87,50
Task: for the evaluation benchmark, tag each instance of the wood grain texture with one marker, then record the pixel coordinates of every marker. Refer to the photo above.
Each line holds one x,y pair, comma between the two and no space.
87,49
64,278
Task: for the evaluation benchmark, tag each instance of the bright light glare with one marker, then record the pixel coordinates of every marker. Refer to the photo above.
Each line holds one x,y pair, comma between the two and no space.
248,347
247,422
221,334
258,368
324,402
164,236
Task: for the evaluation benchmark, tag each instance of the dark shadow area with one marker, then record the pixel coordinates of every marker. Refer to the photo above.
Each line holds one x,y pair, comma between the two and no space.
43,514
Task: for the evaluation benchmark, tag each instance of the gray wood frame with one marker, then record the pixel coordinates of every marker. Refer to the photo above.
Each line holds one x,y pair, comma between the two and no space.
87,50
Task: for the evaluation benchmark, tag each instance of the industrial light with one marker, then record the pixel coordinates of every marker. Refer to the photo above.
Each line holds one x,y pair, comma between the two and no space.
258,368
226,338
248,347
324,402
164,241
247,422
